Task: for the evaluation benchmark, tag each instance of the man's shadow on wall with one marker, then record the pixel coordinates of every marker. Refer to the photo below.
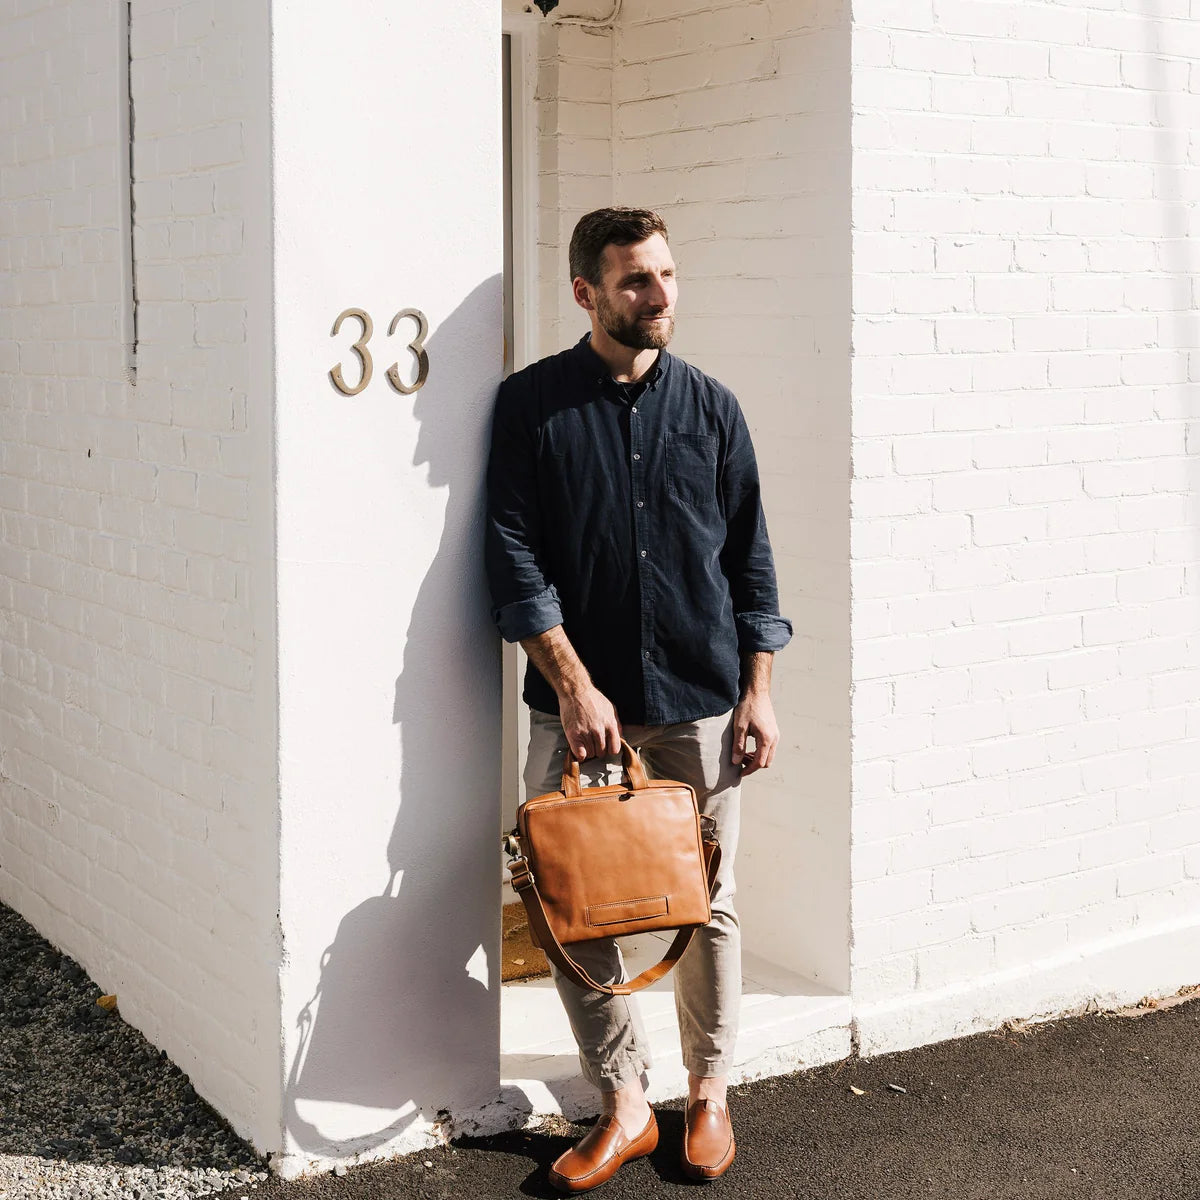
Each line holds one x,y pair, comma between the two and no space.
397,1022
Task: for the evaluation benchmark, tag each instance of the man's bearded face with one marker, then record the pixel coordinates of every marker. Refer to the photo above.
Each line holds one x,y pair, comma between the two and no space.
635,299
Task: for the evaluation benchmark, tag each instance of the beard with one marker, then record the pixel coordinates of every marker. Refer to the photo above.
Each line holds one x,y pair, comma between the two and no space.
628,331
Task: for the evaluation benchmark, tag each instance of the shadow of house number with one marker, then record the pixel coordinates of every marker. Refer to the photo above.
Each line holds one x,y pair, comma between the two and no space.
367,364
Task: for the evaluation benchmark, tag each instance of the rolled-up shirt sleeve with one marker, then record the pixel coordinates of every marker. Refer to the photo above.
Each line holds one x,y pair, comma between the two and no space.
524,600
526,618
746,558
762,631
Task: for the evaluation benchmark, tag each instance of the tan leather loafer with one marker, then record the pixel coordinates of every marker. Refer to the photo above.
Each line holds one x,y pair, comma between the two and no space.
708,1146
595,1158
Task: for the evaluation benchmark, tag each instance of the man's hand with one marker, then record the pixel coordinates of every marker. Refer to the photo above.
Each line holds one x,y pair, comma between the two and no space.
754,716
587,715
590,724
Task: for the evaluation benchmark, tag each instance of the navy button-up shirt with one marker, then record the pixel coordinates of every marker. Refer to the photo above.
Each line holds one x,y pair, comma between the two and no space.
630,515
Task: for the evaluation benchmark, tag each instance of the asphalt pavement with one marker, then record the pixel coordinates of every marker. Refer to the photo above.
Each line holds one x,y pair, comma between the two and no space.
1102,1107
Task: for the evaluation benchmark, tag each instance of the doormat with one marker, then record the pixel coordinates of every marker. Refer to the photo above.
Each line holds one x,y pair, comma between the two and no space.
520,958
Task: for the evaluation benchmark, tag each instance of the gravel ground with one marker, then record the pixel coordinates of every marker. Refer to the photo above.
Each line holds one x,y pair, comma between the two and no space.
89,1110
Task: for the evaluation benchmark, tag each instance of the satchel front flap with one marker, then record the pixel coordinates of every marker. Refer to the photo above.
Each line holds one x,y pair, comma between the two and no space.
578,849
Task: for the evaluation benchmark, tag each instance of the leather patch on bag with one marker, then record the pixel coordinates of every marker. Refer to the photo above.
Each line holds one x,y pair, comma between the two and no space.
618,911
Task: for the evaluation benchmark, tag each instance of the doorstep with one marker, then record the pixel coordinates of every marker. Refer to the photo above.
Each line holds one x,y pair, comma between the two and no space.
788,1022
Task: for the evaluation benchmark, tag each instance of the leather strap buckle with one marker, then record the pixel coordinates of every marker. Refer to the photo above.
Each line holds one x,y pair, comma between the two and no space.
521,876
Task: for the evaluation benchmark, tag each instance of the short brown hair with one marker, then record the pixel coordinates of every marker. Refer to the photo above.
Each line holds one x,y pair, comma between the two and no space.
609,227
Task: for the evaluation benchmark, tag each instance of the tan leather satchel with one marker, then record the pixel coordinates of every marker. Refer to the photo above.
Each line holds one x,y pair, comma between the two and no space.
606,861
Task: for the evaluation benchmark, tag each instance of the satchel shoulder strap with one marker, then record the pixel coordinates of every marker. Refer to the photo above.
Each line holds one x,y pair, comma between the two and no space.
526,887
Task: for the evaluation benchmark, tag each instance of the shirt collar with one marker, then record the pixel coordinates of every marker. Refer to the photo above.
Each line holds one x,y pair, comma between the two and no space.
594,365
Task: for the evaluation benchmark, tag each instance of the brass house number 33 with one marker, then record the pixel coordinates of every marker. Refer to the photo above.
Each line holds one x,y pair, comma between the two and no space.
367,365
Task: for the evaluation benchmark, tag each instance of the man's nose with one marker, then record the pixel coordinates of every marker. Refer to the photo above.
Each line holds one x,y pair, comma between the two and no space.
660,294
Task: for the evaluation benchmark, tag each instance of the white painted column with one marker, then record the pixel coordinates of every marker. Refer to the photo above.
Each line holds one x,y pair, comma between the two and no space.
387,196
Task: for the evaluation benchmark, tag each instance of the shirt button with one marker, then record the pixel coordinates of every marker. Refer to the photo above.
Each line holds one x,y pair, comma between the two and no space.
643,553
647,654
641,504
636,457
634,408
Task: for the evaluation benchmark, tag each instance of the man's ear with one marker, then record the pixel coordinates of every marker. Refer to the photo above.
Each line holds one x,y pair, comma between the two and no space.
582,291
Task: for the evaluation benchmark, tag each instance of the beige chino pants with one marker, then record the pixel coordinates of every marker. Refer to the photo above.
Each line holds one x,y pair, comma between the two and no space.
613,1050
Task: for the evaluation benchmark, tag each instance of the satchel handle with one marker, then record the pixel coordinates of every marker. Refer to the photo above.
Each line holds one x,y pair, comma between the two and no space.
525,887
629,758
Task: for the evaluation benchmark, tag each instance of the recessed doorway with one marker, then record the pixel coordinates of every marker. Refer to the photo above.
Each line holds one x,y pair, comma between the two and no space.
794,860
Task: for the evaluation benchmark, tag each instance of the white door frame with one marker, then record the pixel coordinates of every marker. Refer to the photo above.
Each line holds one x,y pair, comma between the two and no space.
522,30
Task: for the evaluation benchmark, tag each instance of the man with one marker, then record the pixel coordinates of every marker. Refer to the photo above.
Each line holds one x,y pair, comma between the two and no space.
627,552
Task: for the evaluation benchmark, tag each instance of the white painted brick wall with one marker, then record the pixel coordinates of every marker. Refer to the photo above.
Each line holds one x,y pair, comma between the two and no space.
1025,564
138,806
573,96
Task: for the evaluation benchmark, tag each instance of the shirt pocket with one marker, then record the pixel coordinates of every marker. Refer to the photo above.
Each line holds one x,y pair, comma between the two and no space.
692,468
